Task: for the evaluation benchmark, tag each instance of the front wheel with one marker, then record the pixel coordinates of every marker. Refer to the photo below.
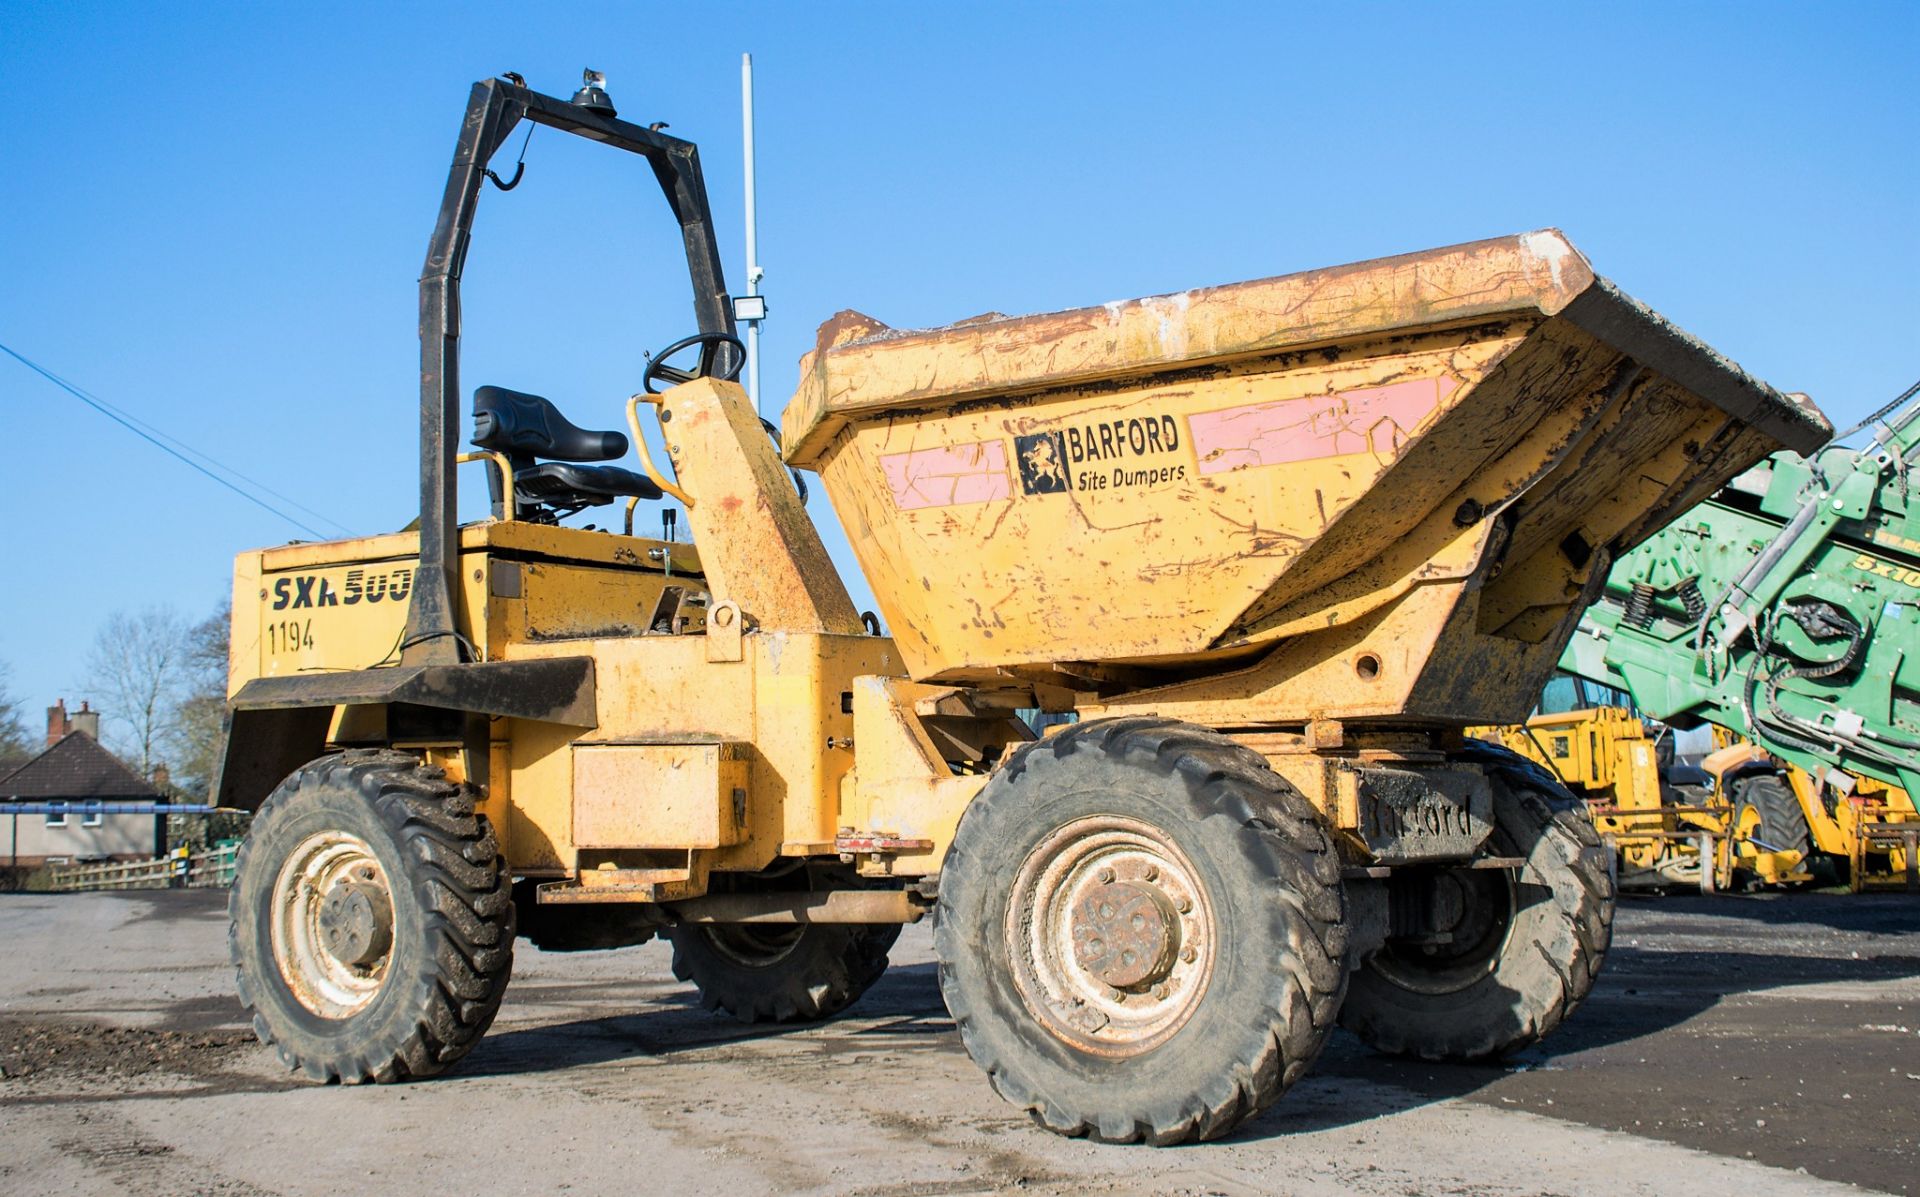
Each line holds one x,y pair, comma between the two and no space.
1512,952
1141,932
1765,806
371,919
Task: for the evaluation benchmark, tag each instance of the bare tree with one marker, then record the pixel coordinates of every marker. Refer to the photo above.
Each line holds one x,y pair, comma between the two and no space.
140,668
196,725
15,742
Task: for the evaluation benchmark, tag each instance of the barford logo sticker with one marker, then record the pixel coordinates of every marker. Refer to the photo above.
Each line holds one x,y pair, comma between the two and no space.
1110,455
1043,462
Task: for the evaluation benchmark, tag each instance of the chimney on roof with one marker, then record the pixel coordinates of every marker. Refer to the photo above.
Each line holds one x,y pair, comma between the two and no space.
162,779
58,724
87,720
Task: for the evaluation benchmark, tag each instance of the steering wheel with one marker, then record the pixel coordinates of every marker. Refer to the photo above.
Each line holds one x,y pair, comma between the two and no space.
710,344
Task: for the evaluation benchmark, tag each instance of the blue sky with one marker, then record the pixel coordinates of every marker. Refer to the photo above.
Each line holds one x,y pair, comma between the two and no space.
213,216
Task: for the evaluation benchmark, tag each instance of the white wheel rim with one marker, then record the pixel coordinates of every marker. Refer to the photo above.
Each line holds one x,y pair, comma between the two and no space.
329,876
1111,935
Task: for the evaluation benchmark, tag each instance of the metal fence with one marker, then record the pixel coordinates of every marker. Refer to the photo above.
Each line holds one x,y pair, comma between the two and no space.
210,869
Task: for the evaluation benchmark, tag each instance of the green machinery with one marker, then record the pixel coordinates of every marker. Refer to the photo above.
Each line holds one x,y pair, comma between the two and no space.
1786,608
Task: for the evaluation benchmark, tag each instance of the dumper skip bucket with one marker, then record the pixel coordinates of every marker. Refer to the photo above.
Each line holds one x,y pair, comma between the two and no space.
1381,489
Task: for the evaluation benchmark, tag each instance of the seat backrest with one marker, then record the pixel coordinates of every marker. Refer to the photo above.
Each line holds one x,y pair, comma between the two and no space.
525,426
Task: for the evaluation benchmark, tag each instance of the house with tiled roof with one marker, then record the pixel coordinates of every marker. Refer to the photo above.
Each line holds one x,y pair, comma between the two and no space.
81,780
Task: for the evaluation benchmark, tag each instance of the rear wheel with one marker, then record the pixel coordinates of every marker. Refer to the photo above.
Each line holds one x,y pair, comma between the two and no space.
1515,951
371,921
1141,932
768,972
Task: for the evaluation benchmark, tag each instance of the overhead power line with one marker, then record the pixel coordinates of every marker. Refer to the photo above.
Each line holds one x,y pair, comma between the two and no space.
179,450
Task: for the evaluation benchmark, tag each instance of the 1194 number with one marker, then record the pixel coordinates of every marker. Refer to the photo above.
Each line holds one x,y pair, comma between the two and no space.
290,635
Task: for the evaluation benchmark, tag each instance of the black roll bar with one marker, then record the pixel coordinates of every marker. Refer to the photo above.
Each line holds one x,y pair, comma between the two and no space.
493,109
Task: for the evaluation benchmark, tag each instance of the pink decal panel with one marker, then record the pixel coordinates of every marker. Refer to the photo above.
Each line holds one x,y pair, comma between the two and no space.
1377,420
948,476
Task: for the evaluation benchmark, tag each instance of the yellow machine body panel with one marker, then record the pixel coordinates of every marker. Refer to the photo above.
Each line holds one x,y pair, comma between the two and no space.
742,760
722,739
342,605
1875,826
1383,489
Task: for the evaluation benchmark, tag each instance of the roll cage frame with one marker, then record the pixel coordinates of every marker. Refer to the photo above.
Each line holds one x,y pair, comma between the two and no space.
494,109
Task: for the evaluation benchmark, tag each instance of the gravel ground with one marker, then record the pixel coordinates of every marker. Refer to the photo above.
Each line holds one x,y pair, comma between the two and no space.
1735,1046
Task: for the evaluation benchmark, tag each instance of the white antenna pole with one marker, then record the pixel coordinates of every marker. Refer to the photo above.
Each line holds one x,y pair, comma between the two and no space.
754,272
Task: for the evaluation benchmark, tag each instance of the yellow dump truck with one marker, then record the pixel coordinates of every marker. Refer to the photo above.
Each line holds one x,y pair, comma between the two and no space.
1273,544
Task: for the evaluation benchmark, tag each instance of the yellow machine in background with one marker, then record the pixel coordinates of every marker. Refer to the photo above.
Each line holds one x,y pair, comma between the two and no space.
1667,823
1859,827
1275,543
1757,821
1873,826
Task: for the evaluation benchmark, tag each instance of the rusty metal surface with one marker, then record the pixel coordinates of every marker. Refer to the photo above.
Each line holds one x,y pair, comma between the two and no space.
1125,933
860,365
759,549
862,843
823,906
1113,936
1376,490
1425,814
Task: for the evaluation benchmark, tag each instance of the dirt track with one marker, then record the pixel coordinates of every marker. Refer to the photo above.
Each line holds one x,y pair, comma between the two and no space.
1731,1043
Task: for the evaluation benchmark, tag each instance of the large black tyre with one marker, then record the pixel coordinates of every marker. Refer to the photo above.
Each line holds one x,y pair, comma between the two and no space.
1782,822
371,919
762,972
1077,843
1531,940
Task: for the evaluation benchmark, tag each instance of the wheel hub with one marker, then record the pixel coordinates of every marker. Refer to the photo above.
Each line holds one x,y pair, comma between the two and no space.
1111,934
1449,904
1125,933
356,923
1450,928
331,924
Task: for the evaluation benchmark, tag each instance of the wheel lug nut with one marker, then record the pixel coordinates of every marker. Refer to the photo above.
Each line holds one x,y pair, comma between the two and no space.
1106,876
1118,995
1189,955
1184,906
1160,991
1152,874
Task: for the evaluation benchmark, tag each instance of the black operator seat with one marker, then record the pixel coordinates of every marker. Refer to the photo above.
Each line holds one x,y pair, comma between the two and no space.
527,428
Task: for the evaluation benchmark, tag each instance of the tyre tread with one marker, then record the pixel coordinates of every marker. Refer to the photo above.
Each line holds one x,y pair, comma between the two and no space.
830,969
1587,907
470,919
1227,781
